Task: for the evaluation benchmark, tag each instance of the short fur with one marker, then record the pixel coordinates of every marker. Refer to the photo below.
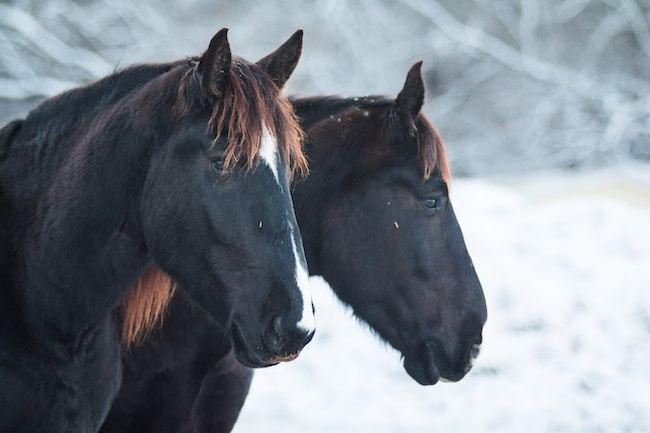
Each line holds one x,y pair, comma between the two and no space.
249,109
104,184
374,161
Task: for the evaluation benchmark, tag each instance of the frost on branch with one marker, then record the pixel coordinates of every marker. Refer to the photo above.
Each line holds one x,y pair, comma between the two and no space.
512,84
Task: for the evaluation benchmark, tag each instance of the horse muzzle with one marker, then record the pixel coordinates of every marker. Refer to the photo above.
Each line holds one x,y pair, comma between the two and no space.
285,342
429,363
279,343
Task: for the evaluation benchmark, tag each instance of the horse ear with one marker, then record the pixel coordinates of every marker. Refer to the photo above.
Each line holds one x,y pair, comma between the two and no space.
280,63
214,64
411,98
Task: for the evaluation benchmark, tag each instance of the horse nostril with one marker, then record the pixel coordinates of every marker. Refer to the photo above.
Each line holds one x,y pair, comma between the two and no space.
277,324
279,333
275,336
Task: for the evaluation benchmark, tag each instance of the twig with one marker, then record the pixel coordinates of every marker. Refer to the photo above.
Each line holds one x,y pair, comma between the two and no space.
50,45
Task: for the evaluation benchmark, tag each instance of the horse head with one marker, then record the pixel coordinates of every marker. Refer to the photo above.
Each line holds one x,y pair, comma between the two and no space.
216,208
379,226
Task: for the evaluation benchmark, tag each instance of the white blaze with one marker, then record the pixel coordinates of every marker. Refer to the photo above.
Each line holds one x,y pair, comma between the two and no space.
269,154
307,322
269,151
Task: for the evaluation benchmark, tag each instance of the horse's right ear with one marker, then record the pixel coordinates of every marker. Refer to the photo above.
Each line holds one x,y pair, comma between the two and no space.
214,65
7,134
411,98
280,63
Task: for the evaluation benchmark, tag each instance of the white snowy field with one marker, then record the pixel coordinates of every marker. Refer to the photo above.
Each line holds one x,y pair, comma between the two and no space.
565,266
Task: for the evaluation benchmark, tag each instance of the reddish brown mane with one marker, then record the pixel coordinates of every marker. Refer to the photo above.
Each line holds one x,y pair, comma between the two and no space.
254,102
144,306
432,150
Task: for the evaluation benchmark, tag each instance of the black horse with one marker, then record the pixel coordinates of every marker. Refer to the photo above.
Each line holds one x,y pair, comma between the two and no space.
181,168
378,225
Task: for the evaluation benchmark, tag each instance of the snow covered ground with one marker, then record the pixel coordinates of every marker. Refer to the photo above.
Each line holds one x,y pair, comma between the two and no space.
565,265
564,259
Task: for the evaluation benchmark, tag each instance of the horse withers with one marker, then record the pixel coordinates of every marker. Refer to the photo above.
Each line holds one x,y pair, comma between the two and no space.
377,224
158,173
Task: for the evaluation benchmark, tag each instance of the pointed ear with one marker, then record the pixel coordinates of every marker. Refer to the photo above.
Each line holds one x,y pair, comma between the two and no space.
280,63
215,65
411,98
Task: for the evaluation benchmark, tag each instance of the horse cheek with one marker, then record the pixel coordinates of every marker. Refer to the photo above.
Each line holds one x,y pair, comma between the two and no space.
164,208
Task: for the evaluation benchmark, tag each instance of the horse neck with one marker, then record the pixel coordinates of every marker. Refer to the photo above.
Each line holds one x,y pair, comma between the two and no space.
311,195
78,235
312,110
88,101
35,148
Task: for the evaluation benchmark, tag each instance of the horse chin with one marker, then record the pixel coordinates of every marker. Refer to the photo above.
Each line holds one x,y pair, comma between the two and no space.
244,354
428,364
420,364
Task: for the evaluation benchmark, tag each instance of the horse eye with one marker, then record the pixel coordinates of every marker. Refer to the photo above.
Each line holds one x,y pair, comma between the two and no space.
430,204
217,164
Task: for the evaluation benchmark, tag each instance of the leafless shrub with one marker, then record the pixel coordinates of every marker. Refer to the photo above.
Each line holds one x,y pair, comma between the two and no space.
513,84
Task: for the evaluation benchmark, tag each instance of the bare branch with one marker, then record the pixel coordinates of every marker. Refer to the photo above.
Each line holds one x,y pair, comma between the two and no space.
638,23
498,50
50,46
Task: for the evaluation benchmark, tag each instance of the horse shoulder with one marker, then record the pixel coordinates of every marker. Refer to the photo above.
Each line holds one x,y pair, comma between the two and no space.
54,379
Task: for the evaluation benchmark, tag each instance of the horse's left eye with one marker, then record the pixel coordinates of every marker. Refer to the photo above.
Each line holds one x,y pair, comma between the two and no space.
217,164
431,204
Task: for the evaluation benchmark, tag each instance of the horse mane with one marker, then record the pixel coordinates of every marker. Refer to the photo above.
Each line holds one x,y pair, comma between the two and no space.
251,103
432,155
88,100
144,305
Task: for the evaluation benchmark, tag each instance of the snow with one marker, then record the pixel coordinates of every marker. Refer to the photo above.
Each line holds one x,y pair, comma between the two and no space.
564,260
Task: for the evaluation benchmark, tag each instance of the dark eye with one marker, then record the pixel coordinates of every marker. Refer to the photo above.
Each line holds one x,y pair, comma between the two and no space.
431,204
217,164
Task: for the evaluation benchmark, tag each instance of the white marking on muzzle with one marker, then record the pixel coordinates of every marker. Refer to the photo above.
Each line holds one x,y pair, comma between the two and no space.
269,151
269,154
473,355
307,322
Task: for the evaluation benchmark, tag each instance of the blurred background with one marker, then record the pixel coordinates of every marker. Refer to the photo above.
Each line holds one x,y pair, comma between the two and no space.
512,84
544,106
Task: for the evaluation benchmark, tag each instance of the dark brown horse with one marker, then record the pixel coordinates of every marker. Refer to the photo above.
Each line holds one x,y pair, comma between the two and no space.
378,225
181,168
